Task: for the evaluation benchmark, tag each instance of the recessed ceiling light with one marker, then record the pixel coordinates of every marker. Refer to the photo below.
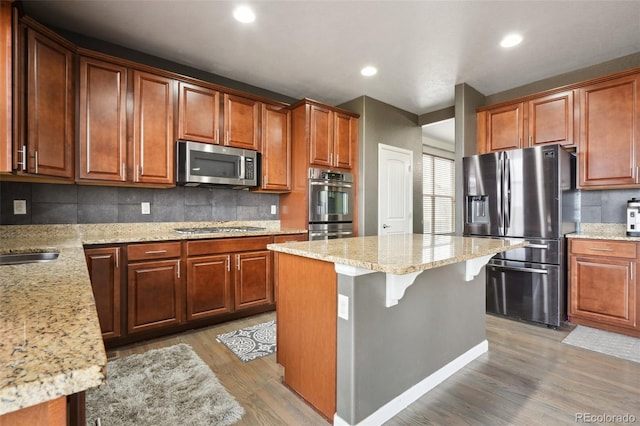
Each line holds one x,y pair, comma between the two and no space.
511,40
244,14
368,71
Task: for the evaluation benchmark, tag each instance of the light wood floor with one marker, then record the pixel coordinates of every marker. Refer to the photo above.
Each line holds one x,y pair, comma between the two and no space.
528,377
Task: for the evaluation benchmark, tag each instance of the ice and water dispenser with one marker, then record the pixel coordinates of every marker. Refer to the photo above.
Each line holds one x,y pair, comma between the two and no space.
477,209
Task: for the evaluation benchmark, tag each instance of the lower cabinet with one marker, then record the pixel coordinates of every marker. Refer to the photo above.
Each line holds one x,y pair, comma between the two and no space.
141,290
154,286
603,288
104,270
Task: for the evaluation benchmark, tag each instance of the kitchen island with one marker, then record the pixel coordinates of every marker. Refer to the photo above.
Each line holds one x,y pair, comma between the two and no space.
367,325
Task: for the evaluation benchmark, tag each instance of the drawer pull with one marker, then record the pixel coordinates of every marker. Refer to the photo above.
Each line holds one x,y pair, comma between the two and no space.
538,246
600,249
155,252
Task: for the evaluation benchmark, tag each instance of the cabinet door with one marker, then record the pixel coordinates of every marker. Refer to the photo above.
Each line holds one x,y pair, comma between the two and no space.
253,283
104,270
609,129
321,136
50,107
198,111
241,122
153,296
208,286
103,120
603,289
153,151
550,119
504,127
6,78
346,140
276,148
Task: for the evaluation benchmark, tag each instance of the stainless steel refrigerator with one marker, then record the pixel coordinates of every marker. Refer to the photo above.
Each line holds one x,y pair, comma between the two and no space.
525,193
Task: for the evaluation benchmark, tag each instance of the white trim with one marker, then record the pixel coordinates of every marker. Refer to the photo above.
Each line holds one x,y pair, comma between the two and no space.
473,266
351,271
412,394
397,285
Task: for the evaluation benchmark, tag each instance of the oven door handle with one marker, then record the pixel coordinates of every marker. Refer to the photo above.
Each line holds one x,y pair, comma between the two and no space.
513,268
330,234
329,183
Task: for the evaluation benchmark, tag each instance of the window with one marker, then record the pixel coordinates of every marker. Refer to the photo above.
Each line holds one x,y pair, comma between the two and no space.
438,189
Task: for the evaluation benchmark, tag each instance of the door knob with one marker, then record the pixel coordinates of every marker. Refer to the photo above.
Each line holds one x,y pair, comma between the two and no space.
385,226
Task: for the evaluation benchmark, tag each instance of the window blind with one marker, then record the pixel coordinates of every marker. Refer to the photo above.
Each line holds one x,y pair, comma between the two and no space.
438,195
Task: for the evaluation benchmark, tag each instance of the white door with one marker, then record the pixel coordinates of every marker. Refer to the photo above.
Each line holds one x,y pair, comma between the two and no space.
395,190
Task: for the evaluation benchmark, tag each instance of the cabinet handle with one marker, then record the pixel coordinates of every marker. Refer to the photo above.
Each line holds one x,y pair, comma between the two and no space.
138,172
228,267
23,163
117,258
238,261
227,138
600,249
124,172
331,158
217,137
178,268
264,179
35,155
155,252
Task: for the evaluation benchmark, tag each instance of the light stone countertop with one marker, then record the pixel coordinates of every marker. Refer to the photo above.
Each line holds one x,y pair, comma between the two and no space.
399,253
51,344
603,231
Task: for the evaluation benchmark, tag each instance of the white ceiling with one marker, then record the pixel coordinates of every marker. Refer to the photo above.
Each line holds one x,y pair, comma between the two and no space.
316,49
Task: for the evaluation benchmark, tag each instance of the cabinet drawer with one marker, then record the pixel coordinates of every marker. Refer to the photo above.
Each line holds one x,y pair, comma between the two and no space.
606,248
153,251
226,245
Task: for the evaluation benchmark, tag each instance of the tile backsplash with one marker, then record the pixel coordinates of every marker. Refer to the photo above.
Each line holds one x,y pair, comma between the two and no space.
605,206
52,203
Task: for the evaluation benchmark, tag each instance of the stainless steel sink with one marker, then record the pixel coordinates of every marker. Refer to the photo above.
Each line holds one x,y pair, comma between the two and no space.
32,257
218,229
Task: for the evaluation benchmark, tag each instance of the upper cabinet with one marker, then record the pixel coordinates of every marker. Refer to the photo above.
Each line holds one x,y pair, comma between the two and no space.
241,123
6,79
332,137
538,121
102,148
45,106
199,113
153,141
609,149
276,148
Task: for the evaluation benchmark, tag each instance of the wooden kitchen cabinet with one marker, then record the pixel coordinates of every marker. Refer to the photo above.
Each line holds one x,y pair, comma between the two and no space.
276,149
609,147
6,82
198,113
332,139
241,122
45,131
229,274
253,284
104,271
208,286
537,121
153,140
602,287
154,286
102,148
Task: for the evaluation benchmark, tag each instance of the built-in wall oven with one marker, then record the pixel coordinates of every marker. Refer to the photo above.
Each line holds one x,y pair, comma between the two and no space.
330,204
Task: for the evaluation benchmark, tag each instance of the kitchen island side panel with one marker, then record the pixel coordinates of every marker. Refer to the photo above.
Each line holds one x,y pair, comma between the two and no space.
382,352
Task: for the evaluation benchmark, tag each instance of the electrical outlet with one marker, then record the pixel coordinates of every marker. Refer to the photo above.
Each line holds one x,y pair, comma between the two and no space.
146,207
273,209
343,306
19,207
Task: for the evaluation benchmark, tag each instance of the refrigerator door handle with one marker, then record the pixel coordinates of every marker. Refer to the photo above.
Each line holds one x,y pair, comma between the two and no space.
506,188
499,193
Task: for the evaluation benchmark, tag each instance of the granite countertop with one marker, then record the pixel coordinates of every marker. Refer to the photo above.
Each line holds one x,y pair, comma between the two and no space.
603,231
399,253
51,344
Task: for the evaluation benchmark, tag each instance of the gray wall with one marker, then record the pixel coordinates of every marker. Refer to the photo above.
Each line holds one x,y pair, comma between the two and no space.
381,123
49,203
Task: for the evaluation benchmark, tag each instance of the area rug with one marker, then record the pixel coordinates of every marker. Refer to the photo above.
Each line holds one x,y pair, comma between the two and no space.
251,343
162,387
618,345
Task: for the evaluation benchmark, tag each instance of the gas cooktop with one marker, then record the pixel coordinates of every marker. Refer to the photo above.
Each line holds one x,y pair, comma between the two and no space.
218,229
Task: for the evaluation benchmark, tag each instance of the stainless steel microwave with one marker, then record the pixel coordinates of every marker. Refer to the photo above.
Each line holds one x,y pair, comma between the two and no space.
214,165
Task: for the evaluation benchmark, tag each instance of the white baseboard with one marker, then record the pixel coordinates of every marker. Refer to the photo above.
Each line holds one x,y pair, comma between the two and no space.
403,400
